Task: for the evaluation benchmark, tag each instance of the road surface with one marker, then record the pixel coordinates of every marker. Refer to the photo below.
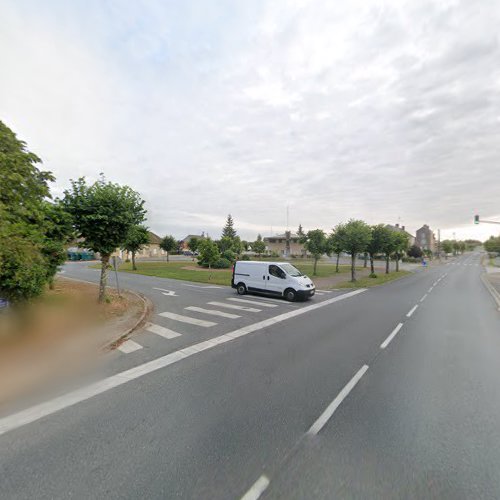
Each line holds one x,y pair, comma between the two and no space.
390,392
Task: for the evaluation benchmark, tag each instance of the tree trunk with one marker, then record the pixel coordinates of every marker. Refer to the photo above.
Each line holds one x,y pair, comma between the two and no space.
353,267
167,257
372,267
315,264
337,267
366,260
387,260
104,277
209,272
134,267
397,262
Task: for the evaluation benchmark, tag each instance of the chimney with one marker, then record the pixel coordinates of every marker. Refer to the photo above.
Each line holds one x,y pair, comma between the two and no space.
397,225
403,228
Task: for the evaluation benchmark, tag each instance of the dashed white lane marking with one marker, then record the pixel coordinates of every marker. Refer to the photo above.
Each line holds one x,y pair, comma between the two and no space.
435,283
253,302
394,332
129,346
257,489
332,407
234,306
430,289
41,410
324,291
212,312
187,319
423,298
162,331
412,310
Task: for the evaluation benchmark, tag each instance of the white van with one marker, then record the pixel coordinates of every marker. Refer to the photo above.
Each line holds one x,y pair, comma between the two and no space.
272,278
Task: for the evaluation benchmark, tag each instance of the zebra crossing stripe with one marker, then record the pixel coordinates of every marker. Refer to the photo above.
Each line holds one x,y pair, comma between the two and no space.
162,331
187,319
234,306
212,312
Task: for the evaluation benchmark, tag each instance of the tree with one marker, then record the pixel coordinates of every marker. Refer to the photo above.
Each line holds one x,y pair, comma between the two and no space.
357,236
380,234
224,244
300,232
400,246
32,229
103,214
169,244
492,245
336,243
447,247
258,246
137,237
209,253
245,245
228,230
237,246
193,244
388,248
415,251
317,245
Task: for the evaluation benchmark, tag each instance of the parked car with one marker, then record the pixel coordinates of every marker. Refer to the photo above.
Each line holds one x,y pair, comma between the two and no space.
271,278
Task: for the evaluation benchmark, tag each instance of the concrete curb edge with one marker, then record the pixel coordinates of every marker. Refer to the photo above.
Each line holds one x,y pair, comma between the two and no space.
491,289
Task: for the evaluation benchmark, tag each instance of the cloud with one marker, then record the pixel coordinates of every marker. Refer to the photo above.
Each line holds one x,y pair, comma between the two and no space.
374,110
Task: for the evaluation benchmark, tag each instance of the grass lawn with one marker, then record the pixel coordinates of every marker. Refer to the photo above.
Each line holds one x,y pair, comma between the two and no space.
174,270
379,280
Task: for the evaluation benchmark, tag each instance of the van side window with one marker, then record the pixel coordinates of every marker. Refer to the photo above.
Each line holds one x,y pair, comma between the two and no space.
276,271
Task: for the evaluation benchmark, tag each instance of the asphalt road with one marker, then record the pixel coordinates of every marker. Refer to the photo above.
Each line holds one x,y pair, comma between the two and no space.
270,403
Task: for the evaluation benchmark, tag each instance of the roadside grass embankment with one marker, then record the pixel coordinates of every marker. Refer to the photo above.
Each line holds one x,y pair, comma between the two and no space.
189,271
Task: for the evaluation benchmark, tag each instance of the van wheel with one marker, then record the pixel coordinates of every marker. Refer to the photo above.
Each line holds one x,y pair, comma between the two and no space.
290,294
241,289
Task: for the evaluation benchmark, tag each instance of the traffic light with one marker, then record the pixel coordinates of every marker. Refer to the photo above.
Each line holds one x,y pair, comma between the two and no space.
476,219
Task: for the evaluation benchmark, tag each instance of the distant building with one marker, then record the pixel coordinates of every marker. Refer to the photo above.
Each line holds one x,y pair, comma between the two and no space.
184,243
151,250
285,244
425,238
401,229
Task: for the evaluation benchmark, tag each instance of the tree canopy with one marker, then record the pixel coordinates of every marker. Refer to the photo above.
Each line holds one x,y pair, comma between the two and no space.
357,236
316,243
137,237
228,231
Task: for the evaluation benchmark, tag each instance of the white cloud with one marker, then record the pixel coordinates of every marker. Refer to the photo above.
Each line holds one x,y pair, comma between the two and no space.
376,110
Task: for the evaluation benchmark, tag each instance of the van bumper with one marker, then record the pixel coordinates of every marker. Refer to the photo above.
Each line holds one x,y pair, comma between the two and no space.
305,294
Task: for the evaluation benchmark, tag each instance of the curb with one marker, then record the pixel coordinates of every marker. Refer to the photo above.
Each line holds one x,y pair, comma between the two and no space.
491,289
122,337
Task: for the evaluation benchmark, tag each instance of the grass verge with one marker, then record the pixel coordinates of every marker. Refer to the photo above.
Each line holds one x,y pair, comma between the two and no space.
369,282
189,271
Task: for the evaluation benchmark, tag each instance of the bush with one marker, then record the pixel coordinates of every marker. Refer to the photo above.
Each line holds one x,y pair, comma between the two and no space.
274,254
245,257
413,260
229,255
222,263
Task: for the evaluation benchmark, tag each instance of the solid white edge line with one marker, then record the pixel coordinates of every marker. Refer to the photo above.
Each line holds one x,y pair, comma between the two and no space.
423,298
332,407
386,342
411,311
46,408
257,489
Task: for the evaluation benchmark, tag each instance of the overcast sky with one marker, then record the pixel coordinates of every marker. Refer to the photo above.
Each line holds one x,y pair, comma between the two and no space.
384,111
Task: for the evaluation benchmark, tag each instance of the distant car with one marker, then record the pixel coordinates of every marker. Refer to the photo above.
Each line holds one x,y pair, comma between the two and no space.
188,253
4,304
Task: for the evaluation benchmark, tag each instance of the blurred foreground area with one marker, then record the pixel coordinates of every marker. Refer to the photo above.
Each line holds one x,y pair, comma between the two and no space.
60,334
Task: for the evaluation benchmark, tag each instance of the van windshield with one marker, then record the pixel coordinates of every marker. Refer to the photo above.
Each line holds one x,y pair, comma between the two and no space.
289,269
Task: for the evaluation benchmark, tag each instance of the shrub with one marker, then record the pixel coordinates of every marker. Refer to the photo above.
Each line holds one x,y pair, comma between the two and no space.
222,263
274,254
229,255
245,257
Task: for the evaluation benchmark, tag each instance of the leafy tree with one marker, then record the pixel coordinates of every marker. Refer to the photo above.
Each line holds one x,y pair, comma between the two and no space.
388,247
32,230
193,244
225,243
245,245
209,253
258,246
336,243
380,234
103,214
415,251
237,246
357,236
400,246
137,237
492,245
447,247
317,245
228,230
169,244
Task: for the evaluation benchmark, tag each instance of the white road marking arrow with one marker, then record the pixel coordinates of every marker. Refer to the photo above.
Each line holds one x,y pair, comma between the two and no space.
168,293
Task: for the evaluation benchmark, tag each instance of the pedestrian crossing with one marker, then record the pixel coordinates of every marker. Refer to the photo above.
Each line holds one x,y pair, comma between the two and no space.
229,308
